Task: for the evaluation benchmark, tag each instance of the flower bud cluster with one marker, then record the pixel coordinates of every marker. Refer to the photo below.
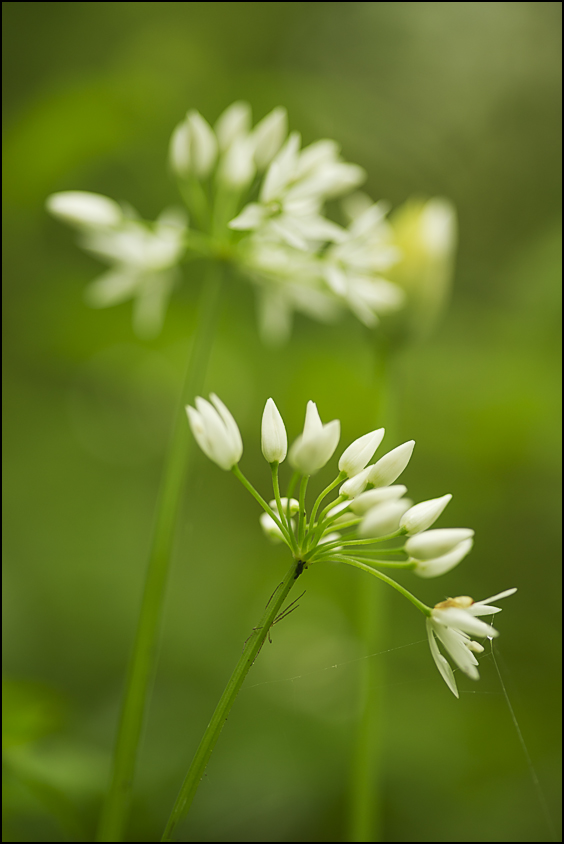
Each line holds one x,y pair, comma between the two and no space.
371,528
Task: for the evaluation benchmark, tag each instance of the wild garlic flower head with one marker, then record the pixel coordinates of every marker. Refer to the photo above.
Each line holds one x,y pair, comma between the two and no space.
371,529
257,199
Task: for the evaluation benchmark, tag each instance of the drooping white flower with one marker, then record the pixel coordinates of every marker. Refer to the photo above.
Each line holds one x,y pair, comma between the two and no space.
216,431
274,438
453,622
423,515
356,456
316,445
391,465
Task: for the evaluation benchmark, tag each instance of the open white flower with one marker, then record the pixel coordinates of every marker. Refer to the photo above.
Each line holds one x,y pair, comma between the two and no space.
452,622
216,431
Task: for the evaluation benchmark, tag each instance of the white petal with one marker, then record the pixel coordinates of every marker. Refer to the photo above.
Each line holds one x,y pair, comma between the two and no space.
251,217
281,171
82,208
440,565
203,144
383,519
355,485
268,136
445,670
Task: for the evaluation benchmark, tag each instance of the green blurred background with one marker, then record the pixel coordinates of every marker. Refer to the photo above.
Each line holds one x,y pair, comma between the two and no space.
453,99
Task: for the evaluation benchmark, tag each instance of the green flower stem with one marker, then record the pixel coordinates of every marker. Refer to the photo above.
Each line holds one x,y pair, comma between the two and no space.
341,476
284,516
340,543
140,668
361,564
258,497
211,735
302,512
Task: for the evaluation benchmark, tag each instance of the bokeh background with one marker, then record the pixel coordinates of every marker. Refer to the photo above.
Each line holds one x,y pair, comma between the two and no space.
453,99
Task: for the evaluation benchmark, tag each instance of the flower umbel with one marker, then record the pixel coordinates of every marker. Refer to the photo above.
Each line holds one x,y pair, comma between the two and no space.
369,529
257,200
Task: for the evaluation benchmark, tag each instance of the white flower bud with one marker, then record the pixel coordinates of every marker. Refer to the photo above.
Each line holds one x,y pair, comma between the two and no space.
216,432
274,438
193,146
391,465
179,149
237,167
440,565
435,543
423,515
356,456
82,208
203,144
369,499
234,122
294,506
355,485
383,519
268,136
312,449
270,528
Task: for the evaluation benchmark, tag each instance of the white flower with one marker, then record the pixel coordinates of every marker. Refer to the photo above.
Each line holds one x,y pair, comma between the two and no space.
453,622
274,439
84,209
143,261
293,190
436,543
353,266
383,519
356,456
369,499
312,449
193,146
424,514
216,431
440,565
391,465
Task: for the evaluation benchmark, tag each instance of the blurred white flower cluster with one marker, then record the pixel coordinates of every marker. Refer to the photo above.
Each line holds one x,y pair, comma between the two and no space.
258,200
362,526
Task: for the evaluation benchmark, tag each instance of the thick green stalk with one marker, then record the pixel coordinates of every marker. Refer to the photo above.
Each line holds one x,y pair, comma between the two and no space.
364,815
140,668
214,728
